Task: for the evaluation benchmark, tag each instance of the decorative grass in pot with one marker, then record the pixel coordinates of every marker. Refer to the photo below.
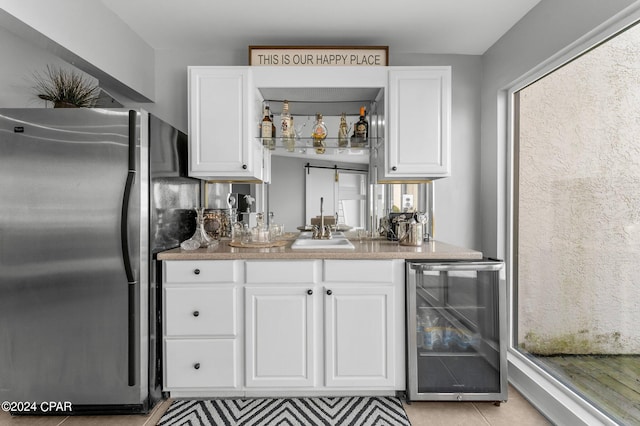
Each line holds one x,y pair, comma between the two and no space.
66,89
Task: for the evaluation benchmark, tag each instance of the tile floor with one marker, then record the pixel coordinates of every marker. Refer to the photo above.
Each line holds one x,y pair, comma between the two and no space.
515,411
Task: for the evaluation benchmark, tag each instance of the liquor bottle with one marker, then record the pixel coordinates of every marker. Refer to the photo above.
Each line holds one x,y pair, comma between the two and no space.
361,130
343,132
286,125
272,145
266,129
319,134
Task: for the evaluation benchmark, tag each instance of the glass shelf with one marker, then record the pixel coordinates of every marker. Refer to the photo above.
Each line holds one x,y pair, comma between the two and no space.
306,144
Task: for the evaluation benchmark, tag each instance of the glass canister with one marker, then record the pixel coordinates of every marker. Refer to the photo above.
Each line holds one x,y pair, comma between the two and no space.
410,233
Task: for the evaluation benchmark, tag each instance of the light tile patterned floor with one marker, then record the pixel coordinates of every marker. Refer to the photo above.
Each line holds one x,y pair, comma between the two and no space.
515,411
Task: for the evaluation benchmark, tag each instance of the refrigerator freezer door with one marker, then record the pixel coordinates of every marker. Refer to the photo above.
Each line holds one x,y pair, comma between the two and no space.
63,287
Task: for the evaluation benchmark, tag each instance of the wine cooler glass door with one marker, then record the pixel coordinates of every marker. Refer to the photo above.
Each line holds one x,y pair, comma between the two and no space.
455,317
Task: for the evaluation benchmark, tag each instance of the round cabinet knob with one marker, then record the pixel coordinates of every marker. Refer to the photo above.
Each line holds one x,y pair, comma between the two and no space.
244,166
196,366
329,292
394,168
196,271
196,313
309,292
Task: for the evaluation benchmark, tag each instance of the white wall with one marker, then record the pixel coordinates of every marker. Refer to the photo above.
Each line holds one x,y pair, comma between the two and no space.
545,30
20,60
90,35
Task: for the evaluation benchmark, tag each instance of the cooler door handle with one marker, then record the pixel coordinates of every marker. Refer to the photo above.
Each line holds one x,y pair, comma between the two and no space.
441,267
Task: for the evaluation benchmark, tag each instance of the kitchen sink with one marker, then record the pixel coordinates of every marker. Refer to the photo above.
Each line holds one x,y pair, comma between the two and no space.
305,241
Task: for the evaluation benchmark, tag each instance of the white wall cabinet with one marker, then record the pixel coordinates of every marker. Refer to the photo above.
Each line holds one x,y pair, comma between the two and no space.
410,121
418,143
300,327
222,138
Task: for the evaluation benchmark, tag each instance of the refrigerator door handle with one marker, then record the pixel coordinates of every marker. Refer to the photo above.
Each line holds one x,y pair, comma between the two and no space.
124,229
124,238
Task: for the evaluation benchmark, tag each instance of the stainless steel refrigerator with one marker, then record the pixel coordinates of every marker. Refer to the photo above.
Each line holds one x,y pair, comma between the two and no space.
87,199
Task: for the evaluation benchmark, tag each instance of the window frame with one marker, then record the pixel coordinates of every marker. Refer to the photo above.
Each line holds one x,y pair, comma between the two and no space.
553,398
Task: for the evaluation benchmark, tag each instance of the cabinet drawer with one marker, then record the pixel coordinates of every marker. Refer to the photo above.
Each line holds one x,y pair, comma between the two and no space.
201,311
201,271
364,271
282,272
200,363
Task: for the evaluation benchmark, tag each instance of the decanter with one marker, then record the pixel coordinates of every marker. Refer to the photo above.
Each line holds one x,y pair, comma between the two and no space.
319,134
200,238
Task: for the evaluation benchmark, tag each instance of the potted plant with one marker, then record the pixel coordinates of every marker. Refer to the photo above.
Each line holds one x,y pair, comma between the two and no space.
66,88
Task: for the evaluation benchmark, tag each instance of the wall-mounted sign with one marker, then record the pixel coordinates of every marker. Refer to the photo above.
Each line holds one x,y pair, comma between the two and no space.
319,55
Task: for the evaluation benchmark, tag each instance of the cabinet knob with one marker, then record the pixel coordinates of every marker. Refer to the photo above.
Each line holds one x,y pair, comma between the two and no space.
196,313
309,292
329,292
196,366
244,166
394,168
196,271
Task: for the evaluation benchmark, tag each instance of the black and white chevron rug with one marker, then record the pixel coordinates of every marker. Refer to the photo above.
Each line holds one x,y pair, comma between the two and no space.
339,411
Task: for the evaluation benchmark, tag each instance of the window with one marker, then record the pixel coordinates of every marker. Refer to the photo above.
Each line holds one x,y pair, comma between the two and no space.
577,224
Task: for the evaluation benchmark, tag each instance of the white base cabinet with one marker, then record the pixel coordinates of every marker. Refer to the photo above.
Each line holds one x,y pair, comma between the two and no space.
304,327
202,325
279,337
359,330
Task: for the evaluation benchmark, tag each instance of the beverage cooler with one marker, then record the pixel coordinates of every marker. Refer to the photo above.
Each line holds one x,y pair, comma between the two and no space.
456,331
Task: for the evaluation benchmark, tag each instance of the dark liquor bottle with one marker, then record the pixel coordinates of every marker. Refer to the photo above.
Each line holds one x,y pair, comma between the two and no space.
266,129
361,130
272,144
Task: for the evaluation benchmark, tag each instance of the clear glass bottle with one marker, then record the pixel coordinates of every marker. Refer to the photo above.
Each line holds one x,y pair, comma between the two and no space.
286,126
319,134
343,132
200,238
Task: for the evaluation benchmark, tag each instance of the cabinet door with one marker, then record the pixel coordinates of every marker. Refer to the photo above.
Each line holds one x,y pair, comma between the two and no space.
359,336
279,336
418,144
220,110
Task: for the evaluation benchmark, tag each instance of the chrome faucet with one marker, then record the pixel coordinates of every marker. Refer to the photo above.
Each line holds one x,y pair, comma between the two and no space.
323,232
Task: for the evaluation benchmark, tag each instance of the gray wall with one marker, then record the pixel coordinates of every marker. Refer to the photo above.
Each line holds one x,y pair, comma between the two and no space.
548,28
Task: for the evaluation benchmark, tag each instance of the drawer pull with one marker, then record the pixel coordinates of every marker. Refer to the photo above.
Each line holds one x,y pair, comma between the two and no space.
196,366
196,271
196,313
329,292
309,292
394,168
